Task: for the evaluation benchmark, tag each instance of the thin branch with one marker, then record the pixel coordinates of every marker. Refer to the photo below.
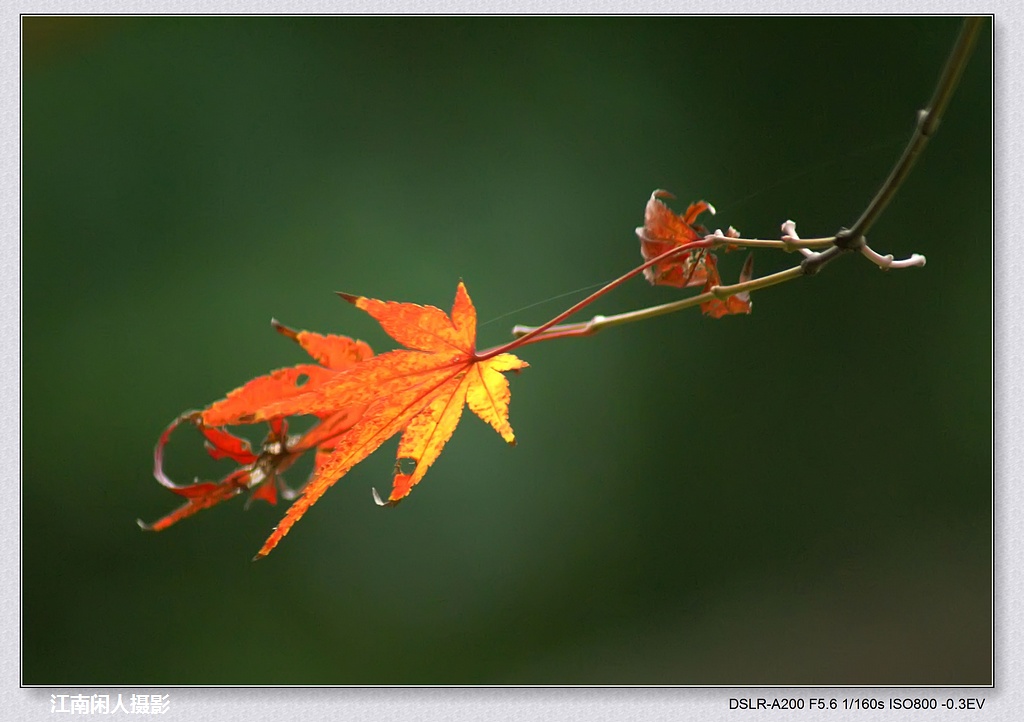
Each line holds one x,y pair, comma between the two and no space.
599,322
527,337
756,284
887,261
928,121
795,244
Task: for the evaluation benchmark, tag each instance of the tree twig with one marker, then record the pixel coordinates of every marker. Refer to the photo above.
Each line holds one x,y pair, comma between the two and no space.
597,323
928,120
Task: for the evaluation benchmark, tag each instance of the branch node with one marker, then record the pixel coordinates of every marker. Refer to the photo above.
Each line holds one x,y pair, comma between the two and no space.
790,241
812,264
790,237
848,241
927,122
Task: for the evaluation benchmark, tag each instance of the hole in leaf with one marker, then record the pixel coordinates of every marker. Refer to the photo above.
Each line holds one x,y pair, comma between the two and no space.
405,466
301,379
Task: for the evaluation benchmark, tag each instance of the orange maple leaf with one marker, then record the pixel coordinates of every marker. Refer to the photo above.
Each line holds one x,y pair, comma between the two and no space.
419,390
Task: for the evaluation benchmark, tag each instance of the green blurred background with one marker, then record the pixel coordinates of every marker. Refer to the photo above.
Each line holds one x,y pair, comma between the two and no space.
799,496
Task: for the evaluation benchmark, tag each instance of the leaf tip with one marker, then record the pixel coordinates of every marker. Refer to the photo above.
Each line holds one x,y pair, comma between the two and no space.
380,502
747,272
351,298
143,525
284,330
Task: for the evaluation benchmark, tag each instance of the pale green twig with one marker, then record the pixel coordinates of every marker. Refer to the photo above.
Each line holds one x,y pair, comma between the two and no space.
600,322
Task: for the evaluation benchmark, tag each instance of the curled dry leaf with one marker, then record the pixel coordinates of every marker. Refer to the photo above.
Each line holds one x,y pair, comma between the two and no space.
737,303
261,473
664,229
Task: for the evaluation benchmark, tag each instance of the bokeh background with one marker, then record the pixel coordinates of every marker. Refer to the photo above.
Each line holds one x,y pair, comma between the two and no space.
798,496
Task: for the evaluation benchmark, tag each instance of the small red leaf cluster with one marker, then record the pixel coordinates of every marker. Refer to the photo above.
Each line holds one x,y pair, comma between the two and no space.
664,230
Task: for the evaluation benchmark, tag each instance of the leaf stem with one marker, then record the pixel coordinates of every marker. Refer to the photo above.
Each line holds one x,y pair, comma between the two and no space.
529,334
789,245
607,288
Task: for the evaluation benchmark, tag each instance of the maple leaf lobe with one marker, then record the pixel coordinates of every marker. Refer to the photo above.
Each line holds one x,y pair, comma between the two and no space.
419,390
